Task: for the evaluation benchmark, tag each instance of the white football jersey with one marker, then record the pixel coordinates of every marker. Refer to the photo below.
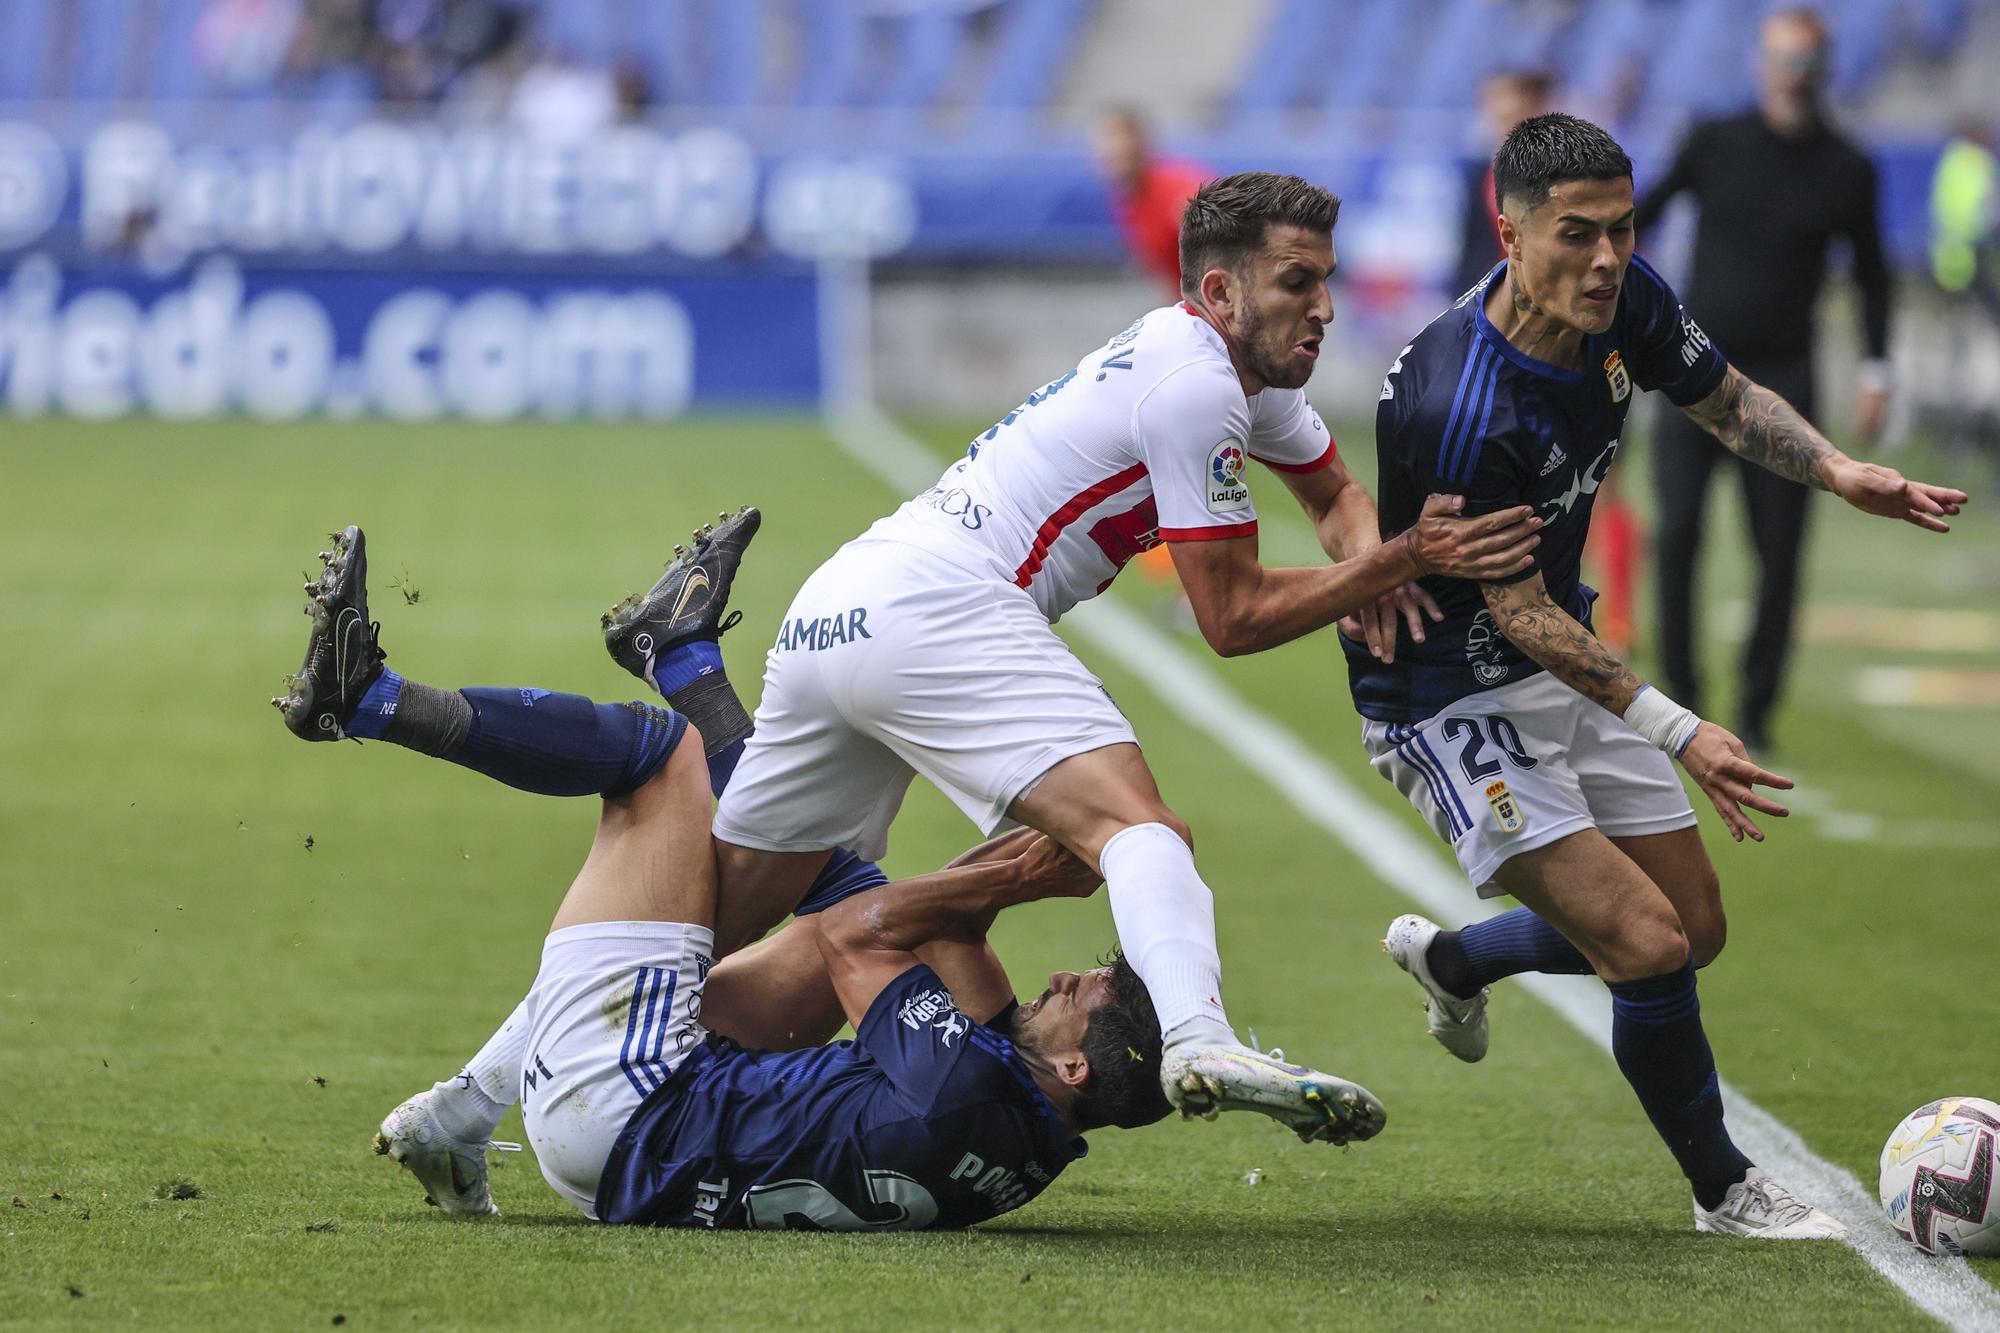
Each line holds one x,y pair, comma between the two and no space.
1146,441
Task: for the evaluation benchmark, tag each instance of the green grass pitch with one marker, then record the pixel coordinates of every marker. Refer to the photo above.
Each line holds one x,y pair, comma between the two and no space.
224,954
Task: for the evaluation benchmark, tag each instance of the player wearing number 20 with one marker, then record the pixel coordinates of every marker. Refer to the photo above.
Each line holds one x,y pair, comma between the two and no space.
1528,745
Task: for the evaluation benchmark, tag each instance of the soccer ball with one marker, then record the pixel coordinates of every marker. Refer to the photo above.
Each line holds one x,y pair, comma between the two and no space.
1938,1177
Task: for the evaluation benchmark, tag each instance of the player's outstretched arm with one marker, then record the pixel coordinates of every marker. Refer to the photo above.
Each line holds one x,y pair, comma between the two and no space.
1762,427
872,938
1343,515
1243,607
1560,644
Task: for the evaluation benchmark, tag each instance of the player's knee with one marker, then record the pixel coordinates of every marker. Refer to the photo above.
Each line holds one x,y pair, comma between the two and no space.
1177,825
1703,919
1649,944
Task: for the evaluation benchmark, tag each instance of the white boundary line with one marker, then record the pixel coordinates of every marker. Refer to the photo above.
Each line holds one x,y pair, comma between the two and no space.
1946,1289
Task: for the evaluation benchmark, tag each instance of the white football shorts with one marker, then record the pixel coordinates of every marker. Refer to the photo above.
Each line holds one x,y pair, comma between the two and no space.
894,661
1513,769
615,1009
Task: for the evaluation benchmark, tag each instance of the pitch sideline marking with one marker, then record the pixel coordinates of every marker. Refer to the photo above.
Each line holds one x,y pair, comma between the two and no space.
1946,1289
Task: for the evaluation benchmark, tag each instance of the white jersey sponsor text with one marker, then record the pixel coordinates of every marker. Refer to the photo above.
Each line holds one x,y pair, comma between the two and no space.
1145,441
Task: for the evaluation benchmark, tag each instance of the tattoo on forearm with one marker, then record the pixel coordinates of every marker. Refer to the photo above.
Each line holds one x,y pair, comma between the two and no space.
1765,429
1555,640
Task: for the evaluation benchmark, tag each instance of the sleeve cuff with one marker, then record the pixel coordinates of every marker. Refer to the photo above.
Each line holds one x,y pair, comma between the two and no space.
1325,460
1208,534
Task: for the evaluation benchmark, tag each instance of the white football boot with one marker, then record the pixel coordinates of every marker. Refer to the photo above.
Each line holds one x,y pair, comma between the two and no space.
1459,1025
1206,1080
1759,1206
452,1171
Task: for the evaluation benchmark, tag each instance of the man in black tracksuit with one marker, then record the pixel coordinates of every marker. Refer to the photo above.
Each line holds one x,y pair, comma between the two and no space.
1774,187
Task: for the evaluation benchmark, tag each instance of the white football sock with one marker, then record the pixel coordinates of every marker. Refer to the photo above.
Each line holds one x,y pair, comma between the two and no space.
469,1106
1166,925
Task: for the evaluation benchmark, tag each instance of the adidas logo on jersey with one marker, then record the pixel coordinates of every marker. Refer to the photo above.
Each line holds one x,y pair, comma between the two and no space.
1555,460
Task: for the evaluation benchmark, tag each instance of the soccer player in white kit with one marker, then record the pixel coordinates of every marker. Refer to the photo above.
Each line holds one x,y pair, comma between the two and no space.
924,646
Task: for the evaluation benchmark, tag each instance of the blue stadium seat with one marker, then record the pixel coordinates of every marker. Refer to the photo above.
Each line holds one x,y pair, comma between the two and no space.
580,30
1037,39
1937,25
1467,38
173,75
932,40
23,42
834,43
736,58
1283,62
1707,57
1595,51
1864,36
665,48
100,30
1366,68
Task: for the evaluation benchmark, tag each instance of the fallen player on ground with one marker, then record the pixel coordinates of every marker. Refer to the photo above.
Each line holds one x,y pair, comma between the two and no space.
952,1105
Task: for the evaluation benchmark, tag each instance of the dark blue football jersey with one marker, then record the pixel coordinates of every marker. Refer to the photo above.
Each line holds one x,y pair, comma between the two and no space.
926,1119
1465,412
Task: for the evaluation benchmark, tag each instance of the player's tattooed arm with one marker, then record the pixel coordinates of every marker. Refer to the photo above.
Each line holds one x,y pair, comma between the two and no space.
1558,642
1767,430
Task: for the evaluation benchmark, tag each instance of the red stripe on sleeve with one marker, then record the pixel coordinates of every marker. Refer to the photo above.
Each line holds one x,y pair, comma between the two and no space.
1208,534
1325,460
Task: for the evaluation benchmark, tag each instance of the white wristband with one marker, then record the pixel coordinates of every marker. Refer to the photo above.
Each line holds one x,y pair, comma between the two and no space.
1661,721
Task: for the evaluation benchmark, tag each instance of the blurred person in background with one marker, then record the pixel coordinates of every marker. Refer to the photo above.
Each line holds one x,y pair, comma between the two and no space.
1507,98
242,44
1148,194
1774,187
331,35
1965,260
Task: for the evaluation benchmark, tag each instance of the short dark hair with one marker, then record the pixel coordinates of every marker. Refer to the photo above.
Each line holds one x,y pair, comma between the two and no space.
1122,1044
1225,222
1544,151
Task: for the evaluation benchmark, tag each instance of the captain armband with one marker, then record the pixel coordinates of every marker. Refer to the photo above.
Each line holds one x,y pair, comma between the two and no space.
1664,723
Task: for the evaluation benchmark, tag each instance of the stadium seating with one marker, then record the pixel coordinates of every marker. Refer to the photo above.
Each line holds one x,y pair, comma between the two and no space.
1009,57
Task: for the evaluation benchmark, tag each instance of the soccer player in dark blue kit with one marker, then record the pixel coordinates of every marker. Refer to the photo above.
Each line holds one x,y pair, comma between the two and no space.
1528,745
952,1105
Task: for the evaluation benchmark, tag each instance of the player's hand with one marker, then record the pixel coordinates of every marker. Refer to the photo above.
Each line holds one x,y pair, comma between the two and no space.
1375,623
1720,766
1883,491
1492,546
1047,869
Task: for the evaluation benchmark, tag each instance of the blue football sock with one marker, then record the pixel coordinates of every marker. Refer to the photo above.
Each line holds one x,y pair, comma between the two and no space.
1657,1037
1482,953
722,765
377,709
685,663
534,740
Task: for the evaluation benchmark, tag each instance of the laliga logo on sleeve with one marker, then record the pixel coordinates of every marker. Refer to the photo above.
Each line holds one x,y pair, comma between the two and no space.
1226,490
1617,378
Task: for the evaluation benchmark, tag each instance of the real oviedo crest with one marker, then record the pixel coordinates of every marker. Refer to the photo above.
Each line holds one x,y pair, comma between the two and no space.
1226,489
1616,376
